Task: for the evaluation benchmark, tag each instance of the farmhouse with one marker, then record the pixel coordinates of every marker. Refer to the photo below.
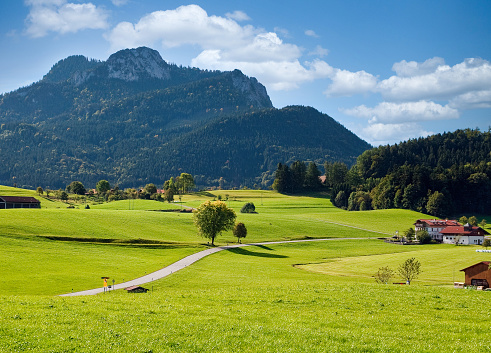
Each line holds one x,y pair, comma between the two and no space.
465,235
478,275
434,227
18,202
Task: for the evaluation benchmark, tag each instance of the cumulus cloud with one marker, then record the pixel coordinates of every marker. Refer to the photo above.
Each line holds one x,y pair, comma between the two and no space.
413,68
419,92
380,134
435,80
225,45
472,100
347,83
62,17
238,16
387,112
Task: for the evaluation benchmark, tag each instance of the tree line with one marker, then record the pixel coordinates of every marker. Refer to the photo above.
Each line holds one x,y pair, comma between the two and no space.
440,175
103,190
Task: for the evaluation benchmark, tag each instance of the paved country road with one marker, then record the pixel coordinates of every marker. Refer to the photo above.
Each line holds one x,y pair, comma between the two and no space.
185,262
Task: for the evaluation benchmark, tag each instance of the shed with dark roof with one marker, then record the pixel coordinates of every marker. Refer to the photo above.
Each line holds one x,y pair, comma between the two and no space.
19,202
136,289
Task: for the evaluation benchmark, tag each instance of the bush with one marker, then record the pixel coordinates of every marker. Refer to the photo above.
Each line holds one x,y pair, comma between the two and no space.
423,237
384,275
248,208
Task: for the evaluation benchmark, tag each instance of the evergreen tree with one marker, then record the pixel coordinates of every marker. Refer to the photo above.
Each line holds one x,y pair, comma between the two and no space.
282,182
312,178
298,171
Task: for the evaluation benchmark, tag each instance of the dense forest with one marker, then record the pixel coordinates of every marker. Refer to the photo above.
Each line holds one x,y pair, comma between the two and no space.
443,175
134,120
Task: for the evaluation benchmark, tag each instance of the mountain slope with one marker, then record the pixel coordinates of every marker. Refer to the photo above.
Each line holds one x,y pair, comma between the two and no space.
135,119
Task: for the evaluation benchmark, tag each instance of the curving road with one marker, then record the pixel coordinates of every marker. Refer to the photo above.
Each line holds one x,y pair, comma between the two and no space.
185,262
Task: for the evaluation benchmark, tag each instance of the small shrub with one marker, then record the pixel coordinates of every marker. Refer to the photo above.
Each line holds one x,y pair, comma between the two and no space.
384,275
248,208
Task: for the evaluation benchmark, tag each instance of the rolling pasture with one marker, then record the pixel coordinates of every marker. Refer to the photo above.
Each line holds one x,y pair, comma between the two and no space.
301,297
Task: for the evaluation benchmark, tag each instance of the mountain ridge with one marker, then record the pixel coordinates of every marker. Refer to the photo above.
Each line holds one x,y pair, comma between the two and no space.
88,120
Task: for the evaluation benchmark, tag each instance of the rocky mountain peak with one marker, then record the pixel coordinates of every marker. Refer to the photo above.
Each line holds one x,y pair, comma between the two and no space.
135,64
255,91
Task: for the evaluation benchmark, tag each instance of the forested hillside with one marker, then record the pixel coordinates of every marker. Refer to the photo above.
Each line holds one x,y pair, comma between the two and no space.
443,174
135,119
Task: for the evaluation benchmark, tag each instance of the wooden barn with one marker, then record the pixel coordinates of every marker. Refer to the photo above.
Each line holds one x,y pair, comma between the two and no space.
136,289
19,202
478,275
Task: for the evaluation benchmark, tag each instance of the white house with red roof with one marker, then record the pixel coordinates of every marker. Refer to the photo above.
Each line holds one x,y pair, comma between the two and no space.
465,235
434,227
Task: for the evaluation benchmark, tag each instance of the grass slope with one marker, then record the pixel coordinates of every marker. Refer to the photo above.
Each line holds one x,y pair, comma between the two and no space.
301,297
254,300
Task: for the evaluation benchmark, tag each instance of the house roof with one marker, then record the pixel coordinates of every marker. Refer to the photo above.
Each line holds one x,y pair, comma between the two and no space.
134,287
19,199
464,230
438,222
482,262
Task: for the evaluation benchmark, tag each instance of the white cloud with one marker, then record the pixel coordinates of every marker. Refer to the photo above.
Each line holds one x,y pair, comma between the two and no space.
238,16
186,25
413,68
311,33
434,80
319,51
347,83
225,45
380,134
395,113
59,16
277,75
472,100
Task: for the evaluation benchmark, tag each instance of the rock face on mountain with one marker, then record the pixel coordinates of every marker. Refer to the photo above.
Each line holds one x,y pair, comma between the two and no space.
134,119
137,64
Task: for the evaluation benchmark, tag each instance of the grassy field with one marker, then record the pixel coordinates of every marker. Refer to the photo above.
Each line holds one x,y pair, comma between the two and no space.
254,300
299,297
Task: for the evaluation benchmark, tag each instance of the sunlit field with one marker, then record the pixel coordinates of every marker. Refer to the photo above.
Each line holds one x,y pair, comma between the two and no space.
297,297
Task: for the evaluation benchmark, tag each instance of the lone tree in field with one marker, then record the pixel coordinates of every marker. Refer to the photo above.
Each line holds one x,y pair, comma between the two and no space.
39,190
240,231
384,275
409,269
213,217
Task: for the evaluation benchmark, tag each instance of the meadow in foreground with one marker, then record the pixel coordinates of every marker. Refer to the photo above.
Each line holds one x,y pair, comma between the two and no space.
256,301
302,297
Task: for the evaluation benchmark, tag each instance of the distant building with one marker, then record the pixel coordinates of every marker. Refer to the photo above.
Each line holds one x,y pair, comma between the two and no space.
434,227
136,289
478,275
465,235
7,202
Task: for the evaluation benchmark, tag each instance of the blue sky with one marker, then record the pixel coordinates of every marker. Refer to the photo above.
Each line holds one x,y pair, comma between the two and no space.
387,70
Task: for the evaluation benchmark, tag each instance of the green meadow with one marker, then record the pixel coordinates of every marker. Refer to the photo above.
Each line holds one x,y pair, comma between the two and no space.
299,297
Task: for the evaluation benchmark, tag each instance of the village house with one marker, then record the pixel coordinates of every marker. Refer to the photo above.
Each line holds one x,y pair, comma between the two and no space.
478,275
465,235
19,202
434,227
